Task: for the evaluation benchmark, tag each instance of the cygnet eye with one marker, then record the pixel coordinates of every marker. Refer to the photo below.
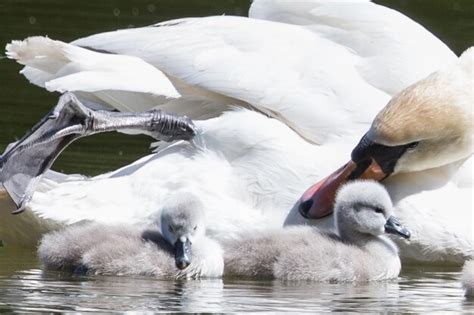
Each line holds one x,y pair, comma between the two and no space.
170,227
378,210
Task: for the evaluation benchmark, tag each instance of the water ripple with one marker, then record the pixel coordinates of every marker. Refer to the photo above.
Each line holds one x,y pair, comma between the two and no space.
32,289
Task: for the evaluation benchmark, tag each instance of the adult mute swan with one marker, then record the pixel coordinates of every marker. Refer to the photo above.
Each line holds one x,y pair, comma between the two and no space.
322,91
359,251
182,250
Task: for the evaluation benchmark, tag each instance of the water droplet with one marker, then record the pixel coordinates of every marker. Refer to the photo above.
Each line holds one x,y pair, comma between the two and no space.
32,20
151,8
135,12
116,11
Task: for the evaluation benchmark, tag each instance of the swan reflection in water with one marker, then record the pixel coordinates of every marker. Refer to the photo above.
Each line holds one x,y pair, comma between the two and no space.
37,289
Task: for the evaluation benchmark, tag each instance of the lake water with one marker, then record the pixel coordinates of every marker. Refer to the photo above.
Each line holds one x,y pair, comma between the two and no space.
25,287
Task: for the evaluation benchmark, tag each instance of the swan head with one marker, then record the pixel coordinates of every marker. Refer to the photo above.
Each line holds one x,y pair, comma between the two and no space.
182,224
364,207
427,125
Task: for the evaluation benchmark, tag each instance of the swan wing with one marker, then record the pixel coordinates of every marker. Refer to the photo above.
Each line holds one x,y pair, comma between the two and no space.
441,223
62,67
291,72
395,51
282,70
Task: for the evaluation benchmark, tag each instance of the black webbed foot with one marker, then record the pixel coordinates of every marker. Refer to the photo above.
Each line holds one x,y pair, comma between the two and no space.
23,162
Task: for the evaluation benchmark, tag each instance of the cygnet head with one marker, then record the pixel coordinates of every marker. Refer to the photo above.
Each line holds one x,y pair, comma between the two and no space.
365,208
182,223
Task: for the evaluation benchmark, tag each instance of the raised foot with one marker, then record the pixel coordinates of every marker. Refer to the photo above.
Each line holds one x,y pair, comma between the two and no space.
23,162
170,127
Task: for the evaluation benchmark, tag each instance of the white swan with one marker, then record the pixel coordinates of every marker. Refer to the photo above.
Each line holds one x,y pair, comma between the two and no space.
259,165
359,252
182,250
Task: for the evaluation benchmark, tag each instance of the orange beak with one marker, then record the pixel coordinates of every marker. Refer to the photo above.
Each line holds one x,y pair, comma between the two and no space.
317,202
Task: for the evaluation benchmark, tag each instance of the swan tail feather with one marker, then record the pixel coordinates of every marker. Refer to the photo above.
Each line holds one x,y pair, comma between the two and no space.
62,67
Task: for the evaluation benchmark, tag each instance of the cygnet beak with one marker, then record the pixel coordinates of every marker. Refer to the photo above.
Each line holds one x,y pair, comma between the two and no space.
182,254
393,226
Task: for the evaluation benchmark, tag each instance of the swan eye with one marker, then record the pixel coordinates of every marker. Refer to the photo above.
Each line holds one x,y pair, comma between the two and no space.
413,145
195,228
378,210
170,227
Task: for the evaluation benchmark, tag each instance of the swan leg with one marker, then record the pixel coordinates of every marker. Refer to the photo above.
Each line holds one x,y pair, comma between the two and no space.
23,162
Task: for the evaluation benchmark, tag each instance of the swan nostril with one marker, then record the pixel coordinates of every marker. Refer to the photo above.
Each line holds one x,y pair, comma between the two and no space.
181,264
304,207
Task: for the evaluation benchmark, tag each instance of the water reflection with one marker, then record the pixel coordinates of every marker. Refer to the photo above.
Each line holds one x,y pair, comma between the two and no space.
25,287
33,290
56,291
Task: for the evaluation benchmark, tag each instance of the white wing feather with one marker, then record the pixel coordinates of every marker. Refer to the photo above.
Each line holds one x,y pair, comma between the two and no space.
283,70
395,51
61,67
325,80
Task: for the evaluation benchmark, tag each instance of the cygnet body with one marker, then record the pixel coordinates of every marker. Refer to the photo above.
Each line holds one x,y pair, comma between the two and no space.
182,250
468,278
360,251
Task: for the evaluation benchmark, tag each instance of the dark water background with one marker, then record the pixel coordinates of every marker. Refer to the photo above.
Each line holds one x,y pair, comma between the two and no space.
24,287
